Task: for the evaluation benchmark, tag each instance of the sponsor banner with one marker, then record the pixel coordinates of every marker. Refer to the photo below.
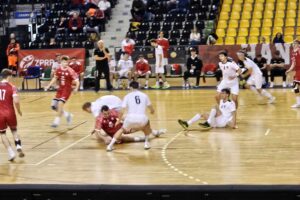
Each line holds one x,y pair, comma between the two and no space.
22,15
46,57
209,54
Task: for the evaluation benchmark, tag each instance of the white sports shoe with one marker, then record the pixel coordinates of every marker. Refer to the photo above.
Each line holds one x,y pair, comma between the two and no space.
271,85
20,151
284,84
147,146
160,132
69,119
109,148
11,155
295,106
272,100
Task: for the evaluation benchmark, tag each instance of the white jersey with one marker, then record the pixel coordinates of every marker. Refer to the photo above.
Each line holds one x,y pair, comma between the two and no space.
227,108
229,69
249,64
113,102
158,52
126,43
125,64
136,103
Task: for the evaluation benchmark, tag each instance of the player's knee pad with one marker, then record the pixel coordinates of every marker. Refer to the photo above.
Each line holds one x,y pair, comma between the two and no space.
296,90
54,104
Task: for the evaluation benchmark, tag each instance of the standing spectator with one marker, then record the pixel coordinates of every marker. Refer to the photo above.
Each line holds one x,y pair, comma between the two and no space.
78,68
164,43
195,37
138,10
101,55
127,45
262,64
194,67
75,23
277,68
142,69
12,55
105,6
159,65
124,69
278,38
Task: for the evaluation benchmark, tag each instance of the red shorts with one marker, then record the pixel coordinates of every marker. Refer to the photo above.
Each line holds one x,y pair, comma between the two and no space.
8,119
112,131
297,76
63,94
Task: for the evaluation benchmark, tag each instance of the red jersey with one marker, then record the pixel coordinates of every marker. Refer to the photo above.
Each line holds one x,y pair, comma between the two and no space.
108,124
76,66
164,42
65,79
142,65
296,60
7,111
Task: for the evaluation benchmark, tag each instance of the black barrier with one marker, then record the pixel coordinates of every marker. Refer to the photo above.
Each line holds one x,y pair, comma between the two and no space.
143,192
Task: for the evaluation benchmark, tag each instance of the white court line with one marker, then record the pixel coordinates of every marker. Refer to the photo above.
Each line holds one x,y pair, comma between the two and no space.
268,131
62,150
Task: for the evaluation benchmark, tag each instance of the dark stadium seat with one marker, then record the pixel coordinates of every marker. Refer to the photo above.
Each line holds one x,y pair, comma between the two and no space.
89,45
175,34
152,34
144,26
185,34
190,17
177,25
158,17
173,41
166,26
180,17
188,25
155,26
183,41
200,25
141,35
169,17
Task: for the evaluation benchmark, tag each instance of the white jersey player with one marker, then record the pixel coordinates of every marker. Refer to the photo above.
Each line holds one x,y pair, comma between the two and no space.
255,80
230,72
113,102
125,67
220,116
136,104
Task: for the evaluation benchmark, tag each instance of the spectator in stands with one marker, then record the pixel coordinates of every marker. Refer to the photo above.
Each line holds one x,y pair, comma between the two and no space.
278,38
127,45
76,5
138,10
212,39
277,68
263,40
91,25
262,64
93,37
164,43
62,25
78,68
12,55
172,6
183,5
75,23
194,67
195,37
105,6
142,69
53,44
124,69
91,4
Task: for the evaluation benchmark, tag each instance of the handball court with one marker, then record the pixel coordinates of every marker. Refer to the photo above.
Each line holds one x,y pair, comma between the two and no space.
264,149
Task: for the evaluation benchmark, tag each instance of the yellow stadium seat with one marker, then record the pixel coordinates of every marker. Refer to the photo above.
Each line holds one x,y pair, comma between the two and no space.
243,32
279,14
233,23
238,1
289,31
220,41
256,23
254,32
292,6
270,6
280,5
290,14
244,23
267,23
257,15
258,7
298,31
231,32
290,22
235,15
260,1
222,24
268,14
246,15
277,29
224,16
278,22
227,1
247,7
253,40
226,7
237,7
288,39
220,32
298,21
229,40
241,40
266,31
270,1
249,1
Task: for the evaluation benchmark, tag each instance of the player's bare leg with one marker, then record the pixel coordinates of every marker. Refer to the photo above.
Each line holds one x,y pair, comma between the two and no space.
297,93
129,78
261,92
147,131
81,81
116,137
147,81
218,97
235,100
6,143
18,143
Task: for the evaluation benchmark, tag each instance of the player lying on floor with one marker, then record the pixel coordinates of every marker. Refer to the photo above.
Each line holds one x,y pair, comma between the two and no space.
222,115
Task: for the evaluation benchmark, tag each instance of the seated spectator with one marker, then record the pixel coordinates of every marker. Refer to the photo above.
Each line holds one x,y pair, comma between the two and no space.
262,64
277,68
127,45
91,25
194,67
212,39
76,5
53,44
124,69
138,10
75,23
62,25
278,38
142,69
105,6
195,37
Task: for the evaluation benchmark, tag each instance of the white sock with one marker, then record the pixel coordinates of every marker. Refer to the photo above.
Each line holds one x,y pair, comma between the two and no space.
157,83
66,114
146,82
81,84
266,94
56,120
212,115
11,152
112,142
298,100
146,139
194,119
254,89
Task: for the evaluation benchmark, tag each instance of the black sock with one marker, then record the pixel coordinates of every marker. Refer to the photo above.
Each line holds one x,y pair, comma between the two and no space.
18,142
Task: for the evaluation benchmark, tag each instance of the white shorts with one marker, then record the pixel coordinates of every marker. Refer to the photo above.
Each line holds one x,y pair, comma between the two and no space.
234,88
123,73
159,70
255,80
219,122
135,121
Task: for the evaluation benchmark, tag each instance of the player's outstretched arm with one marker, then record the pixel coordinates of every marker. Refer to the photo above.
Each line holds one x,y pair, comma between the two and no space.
53,80
17,104
77,84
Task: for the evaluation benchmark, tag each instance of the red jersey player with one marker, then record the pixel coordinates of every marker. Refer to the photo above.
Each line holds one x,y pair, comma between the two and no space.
142,69
66,77
78,68
8,99
164,42
296,66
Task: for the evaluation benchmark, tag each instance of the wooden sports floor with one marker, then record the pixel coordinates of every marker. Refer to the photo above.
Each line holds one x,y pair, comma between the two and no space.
265,149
